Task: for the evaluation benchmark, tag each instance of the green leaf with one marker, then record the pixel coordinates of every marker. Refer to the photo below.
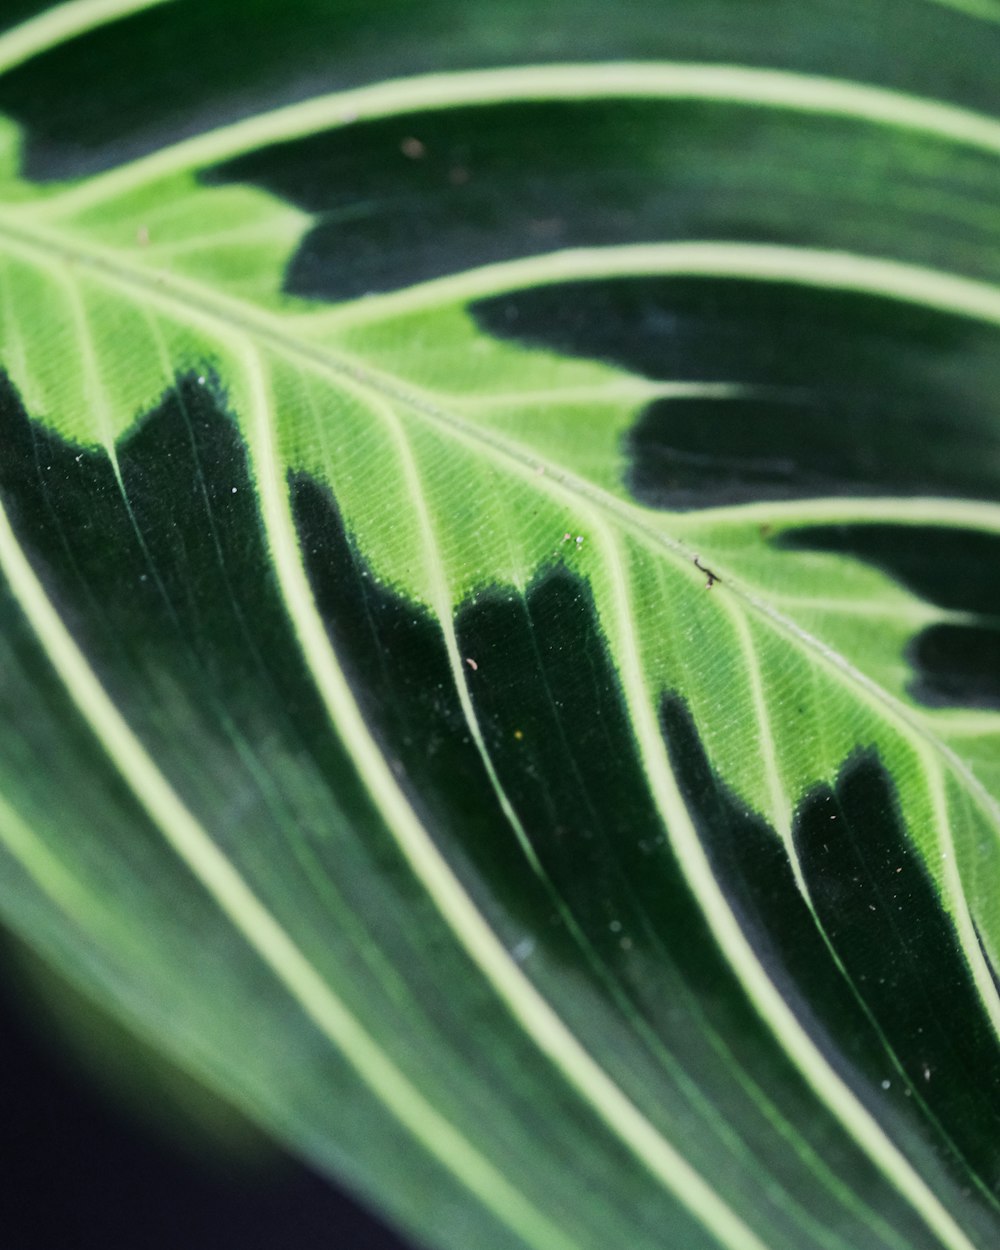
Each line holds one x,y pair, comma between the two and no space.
499,633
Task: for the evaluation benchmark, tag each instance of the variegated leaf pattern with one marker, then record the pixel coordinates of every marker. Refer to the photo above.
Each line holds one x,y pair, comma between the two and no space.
500,616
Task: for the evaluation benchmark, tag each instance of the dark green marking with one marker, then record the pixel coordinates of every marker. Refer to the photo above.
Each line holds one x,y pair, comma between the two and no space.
884,918
846,394
951,567
609,931
907,993
955,663
406,199
169,574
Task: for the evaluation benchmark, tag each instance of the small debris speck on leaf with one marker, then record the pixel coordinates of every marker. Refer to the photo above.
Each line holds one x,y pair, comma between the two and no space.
412,148
471,663
710,577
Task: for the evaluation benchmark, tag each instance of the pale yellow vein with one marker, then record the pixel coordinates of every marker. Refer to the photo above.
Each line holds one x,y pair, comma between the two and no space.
737,84
61,23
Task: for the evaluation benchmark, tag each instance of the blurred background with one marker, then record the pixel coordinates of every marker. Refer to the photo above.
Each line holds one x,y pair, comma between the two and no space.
88,1160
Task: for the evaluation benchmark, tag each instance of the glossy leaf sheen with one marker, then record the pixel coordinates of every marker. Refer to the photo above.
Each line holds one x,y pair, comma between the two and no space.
499,630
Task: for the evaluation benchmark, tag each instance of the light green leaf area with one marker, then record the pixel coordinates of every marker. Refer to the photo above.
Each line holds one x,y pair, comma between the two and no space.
500,640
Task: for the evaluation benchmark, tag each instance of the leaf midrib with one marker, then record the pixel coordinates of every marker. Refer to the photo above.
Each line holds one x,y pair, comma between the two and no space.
229,314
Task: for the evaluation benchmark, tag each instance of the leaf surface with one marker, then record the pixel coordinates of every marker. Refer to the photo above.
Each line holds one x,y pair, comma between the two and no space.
499,629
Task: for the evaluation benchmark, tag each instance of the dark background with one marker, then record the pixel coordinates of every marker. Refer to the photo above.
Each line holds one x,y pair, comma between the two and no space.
78,1172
